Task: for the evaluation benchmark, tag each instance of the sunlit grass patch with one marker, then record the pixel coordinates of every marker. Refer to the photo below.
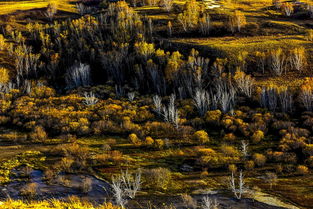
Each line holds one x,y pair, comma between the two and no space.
231,46
7,7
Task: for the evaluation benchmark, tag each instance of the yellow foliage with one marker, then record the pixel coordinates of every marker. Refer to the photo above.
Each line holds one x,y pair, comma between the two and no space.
75,203
206,151
174,63
257,136
42,92
159,143
144,49
4,74
201,136
2,42
134,139
38,134
259,159
228,150
213,116
149,140
232,168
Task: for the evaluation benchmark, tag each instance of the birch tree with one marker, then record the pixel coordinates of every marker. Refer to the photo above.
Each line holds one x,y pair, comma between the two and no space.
239,190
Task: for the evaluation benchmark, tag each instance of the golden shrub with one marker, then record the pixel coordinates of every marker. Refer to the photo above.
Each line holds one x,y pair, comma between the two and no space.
159,143
257,136
42,92
201,136
158,178
134,139
228,150
38,134
259,159
4,75
213,116
149,140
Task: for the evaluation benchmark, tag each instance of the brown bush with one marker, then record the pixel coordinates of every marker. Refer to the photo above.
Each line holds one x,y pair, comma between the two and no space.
86,185
249,165
30,189
229,137
302,170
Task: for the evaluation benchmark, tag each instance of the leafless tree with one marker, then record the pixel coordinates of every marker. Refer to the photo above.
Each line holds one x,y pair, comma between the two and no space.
26,63
236,21
157,100
118,193
208,203
269,98
285,99
78,75
27,87
205,23
245,83
90,98
238,192
125,186
278,61
131,96
225,95
202,101
170,112
306,97
244,148
298,58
